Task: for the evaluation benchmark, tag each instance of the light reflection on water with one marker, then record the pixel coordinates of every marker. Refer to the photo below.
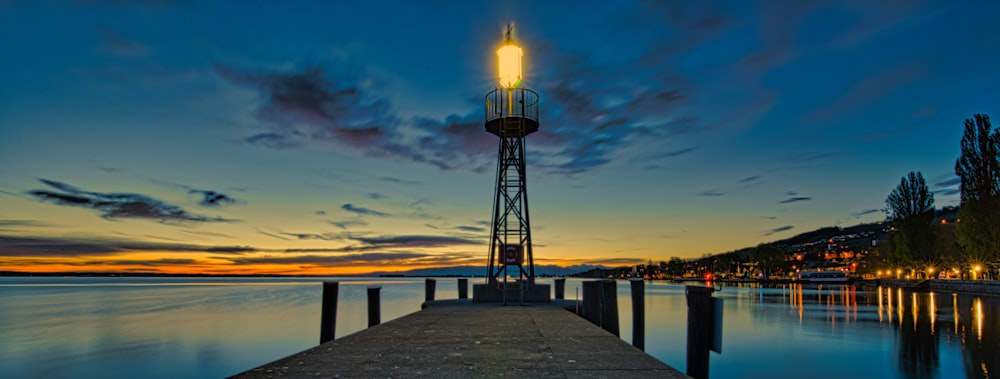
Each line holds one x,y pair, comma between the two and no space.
213,327
831,332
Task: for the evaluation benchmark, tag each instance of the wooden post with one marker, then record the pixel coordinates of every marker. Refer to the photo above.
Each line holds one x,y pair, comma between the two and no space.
609,306
429,289
591,309
560,288
463,288
638,313
374,306
600,304
328,316
699,330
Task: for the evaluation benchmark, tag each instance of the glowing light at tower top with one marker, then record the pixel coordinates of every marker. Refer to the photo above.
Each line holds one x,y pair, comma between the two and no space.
509,58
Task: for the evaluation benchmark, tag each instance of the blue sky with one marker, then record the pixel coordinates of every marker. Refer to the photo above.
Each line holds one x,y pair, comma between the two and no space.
340,136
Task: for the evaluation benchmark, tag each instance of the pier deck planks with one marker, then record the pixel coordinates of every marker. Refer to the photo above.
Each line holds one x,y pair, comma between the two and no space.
460,339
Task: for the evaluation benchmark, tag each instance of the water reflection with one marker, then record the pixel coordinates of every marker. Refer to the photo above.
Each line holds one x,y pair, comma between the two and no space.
188,327
917,320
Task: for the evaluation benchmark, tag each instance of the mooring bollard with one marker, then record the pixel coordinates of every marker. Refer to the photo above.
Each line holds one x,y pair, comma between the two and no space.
600,304
701,329
374,306
560,288
609,306
429,289
638,313
463,288
328,316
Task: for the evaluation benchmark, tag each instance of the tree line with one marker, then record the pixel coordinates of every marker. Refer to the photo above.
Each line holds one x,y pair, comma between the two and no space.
972,244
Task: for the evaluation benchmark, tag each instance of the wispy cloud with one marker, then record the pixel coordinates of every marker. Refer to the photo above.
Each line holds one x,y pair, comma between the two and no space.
865,212
750,179
469,228
362,210
949,182
412,241
72,247
344,224
317,236
710,193
5,223
795,199
118,205
211,198
779,230
589,119
387,258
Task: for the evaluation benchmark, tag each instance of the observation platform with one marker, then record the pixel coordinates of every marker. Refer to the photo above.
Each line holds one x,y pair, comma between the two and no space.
460,339
512,112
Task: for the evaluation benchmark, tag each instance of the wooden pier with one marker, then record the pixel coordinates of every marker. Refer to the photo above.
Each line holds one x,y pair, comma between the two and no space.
461,339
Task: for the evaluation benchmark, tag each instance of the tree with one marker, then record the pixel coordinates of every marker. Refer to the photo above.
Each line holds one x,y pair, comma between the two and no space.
978,166
910,209
675,267
769,259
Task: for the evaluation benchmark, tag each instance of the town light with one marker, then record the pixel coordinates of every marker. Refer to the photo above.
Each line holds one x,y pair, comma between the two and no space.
509,58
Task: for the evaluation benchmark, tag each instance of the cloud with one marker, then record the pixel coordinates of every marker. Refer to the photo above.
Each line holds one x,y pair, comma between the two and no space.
139,262
315,236
347,223
361,210
399,181
469,228
589,119
867,91
949,182
375,196
211,198
119,205
779,230
413,241
307,107
795,199
5,223
750,179
710,193
670,154
73,247
320,212
332,260
865,212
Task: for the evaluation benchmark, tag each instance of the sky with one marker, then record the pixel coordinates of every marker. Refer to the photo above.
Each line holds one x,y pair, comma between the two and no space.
336,137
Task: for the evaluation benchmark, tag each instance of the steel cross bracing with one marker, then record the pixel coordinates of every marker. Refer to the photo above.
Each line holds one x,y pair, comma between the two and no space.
511,224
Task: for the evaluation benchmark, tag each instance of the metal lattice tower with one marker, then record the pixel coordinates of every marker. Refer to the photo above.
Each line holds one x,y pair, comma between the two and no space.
511,114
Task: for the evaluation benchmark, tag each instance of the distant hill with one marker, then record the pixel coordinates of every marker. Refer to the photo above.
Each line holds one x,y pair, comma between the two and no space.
540,270
858,236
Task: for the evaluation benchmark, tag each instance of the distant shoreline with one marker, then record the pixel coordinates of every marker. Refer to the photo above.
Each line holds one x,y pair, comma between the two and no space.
162,275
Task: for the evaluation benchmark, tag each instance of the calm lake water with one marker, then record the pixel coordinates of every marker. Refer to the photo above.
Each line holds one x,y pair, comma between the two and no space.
214,327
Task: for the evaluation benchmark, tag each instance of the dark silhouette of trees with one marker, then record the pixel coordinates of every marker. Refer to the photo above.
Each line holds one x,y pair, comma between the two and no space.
675,266
978,230
769,259
910,209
